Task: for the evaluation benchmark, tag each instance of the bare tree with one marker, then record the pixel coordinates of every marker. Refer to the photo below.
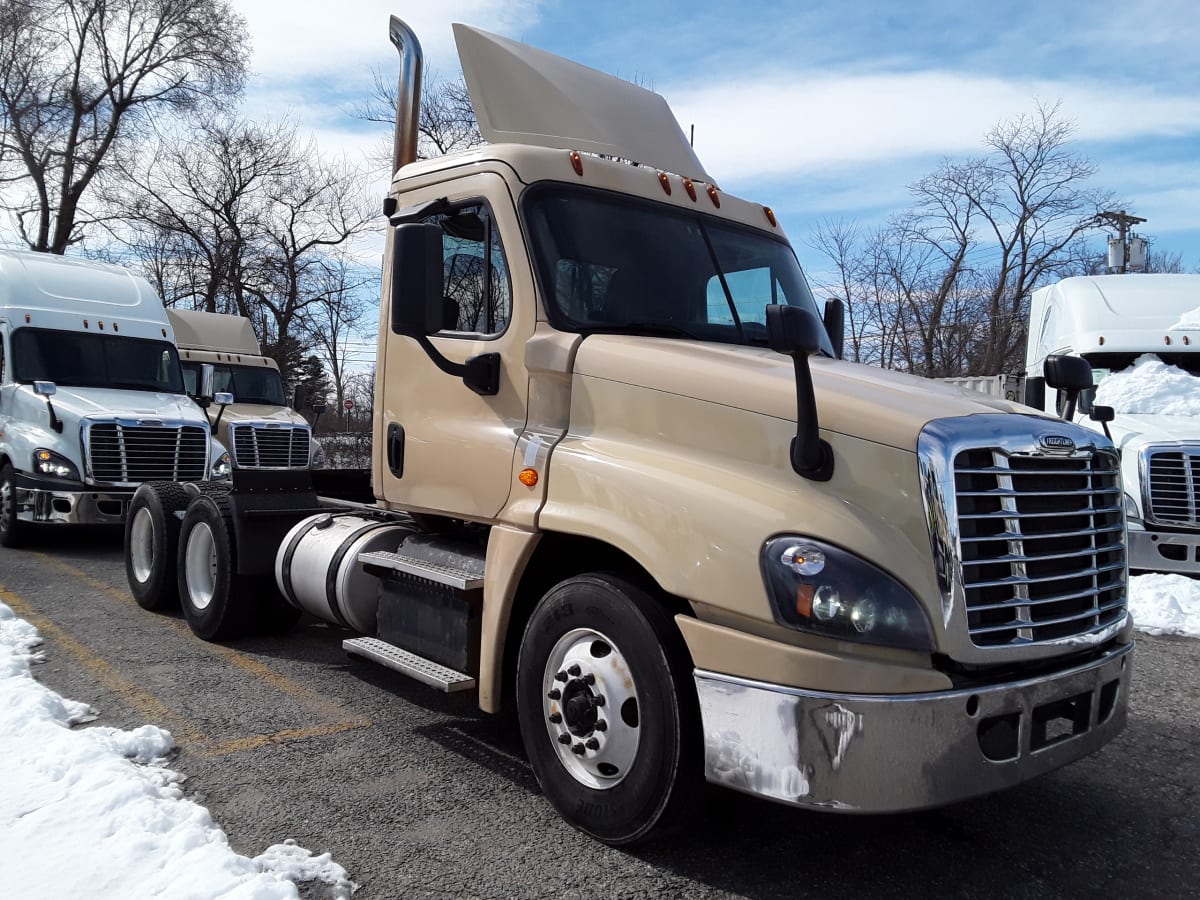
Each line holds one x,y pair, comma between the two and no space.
80,78
335,320
943,288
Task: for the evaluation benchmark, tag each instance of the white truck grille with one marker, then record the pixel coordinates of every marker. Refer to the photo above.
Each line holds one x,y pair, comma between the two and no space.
130,453
1173,479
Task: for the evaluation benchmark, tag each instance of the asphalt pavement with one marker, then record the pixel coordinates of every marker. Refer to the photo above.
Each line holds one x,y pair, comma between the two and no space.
419,795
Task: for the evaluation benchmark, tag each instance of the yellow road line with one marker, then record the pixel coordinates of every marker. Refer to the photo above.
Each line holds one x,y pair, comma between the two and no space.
141,700
342,719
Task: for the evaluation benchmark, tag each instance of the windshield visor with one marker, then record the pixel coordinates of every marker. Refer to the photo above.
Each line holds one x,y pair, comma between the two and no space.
609,263
79,359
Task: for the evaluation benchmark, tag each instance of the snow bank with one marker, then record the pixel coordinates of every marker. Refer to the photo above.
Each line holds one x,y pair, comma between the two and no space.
93,812
1165,604
1189,321
1151,386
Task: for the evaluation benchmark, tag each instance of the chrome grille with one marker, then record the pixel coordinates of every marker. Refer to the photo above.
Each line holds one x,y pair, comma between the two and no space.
126,453
1042,545
270,446
1173,476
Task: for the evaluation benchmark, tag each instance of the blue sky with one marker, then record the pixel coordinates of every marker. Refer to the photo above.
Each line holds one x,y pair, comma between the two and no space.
820,110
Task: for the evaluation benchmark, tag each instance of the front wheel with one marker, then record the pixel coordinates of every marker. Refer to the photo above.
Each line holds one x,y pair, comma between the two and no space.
607,710
12,529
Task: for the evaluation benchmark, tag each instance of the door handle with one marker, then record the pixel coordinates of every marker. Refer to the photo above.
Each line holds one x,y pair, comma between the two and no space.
395,449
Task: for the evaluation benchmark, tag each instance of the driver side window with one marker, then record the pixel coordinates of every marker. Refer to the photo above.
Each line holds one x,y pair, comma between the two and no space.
476,292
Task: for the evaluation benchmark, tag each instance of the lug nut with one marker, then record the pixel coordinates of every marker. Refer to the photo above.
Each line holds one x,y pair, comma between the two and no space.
589,678
601,725
600,701
577,749
560,676
593,744
574,671
555,718
564,739
554,695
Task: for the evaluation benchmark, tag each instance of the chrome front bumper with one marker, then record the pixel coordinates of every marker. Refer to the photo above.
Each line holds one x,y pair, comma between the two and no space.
48,506
862,753
1164,551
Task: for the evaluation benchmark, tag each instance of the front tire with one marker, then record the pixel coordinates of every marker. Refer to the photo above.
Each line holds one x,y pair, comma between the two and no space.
12,530
151,543
607,710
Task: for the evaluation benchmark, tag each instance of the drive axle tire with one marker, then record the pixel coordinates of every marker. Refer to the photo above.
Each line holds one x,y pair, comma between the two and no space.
12,530
217,602
151,543
607,709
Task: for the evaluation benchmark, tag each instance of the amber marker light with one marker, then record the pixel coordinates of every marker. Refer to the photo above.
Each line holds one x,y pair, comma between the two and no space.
665,182
115,328
1186,340
528,477
770,216
1167,339
1101,341
577,163
689,187
85,323
26,318
101,324
712,195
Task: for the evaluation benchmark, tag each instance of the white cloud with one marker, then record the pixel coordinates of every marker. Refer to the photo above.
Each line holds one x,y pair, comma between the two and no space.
781,125
297,39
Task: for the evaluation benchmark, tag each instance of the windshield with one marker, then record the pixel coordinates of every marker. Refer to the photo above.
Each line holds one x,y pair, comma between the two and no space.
607,263
83,359
1147,383
248,384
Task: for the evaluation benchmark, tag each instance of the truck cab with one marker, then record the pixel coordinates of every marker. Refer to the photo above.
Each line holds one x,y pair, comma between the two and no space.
92,400
259,428
1114,322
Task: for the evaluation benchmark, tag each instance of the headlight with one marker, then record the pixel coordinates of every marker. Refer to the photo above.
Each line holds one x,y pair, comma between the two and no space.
821,589
318,456
47,462
1131,508
219,471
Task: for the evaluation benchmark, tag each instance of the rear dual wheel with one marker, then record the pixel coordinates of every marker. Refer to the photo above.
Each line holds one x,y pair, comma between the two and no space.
151,542
218,602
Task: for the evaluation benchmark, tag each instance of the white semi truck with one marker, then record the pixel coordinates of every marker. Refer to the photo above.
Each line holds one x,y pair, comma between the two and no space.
91,395
1112,321
623,481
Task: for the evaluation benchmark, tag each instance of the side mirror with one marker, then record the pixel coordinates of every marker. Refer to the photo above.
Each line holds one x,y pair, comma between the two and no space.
416,294
1072,374
796,333
45,388
299,398
319,408
835,324
204,386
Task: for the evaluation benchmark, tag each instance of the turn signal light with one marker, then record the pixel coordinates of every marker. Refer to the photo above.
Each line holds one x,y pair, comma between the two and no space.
665,182
528,477
689,187
770,216
577,162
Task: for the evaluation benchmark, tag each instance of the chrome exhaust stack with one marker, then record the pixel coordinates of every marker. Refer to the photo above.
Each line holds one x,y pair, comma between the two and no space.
408,93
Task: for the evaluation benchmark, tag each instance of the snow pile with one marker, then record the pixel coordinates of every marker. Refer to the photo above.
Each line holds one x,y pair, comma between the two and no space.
1189,321
1151,386
1165,604
94,813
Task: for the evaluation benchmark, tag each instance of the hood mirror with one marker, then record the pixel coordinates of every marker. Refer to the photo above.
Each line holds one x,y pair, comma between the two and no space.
796,333
48,389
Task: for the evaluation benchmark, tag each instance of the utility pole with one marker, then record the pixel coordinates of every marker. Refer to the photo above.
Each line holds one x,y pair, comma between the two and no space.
1120,220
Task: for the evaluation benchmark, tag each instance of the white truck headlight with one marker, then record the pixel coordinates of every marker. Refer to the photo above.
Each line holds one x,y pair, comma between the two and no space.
317,461
221,467
54,465
822,589
1131,508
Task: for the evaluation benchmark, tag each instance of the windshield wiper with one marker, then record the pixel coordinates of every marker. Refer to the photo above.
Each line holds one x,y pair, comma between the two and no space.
658,329
139,385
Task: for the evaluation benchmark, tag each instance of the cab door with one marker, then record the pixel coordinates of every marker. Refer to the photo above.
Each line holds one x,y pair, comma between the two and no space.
446,448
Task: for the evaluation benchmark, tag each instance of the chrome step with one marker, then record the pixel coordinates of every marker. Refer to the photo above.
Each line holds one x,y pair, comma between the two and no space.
424,670
451,576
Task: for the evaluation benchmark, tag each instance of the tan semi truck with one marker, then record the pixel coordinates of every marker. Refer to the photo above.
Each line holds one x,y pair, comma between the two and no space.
624,483
258,427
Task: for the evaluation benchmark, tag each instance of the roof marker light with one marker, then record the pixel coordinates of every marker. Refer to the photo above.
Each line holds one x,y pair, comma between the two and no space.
1167,339
665,182
1186,340
115,328
26,318
577,162
101,324
770,216
85,323
689,187
164,331
712,195
1100,341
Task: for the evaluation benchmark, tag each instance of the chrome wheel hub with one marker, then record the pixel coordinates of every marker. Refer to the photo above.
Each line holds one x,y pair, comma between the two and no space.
200,566
590,704
141,545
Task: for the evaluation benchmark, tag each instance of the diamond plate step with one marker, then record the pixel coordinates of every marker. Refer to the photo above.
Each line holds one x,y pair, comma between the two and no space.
424,670
452,576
